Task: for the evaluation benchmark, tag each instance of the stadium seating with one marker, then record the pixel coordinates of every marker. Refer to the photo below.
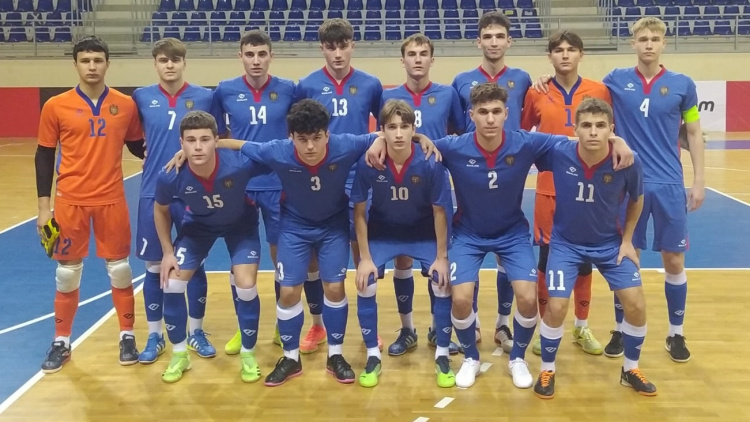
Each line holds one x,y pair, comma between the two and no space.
685,18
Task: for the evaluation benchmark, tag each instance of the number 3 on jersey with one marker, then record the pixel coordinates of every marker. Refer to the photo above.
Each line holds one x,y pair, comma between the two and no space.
340,107
315,183
644,107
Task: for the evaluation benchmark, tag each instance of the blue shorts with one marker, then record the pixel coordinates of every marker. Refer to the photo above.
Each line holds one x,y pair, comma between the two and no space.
194,241
269,204
565,260
668,205
515,251
297,244
148,247
383,251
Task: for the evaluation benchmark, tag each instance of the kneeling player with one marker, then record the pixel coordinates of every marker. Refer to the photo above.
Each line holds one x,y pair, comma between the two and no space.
407,217
214,193
585,231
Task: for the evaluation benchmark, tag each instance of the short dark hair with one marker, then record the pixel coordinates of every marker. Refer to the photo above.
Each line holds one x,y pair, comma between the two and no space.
494,18
255,38
562,36
91,43
198,119
487,92
307,117
335,32
417,39
594,106
170,47
397,108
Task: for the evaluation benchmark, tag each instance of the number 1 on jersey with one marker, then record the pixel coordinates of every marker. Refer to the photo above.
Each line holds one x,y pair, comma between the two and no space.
569,116
644,107
340,107
257,116
581,189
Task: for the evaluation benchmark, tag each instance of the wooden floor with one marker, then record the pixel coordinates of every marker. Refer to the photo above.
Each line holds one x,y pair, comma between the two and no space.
711,387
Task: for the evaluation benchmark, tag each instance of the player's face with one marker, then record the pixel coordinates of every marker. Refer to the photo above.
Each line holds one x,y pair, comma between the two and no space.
494,41
398,134
593,131
338,56
256,59
417,60
169,69
199,145
648,45
565,58
91,67
311,147
489,118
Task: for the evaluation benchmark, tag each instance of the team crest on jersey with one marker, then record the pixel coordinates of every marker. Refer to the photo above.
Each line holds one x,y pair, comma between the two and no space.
189,104
273,96
511,84
332,167
607,178
509,160
352,89
664,90
228,183
113,109
415,179
431,100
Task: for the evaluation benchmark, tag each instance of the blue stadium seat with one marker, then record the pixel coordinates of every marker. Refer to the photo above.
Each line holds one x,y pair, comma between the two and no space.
691,11
25,6
374,5
336,5
172,31
515,30
242,5
355,5
186,5
13,19
452,31
503,4
617,29
682,2
334,14
212,34
411,5
702,28
298,5
256,20
198,19
164,5
721,2
449,5
62,34
652,11
178,19
66,6
372,33
292,33
205,5
393,33
469,4
433,32
743,27
711,13
393,25
159,19
670,28
311,33
671,12
280,5
663,2
633,13
410,30
231,34
625,3
393,17
354,17
430,5
683,29
32,19
724,28
411,17
530,15
746,12
731,11
44,6
2,35
261,5
296,17
42,34
235,18
525,4
276,18
374,21
392,4
644,3
701,2
357,33
431,17
451,17
191,34
533,30
274,32
317,5
315,17
223,5
6,6
487,4
471,20
85,5
54,19
17,34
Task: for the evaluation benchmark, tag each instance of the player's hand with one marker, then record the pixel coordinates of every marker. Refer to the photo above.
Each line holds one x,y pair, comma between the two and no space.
42,219
541,84
428,147
168,263
375,155
622,155
696,196
628,251
440,273
176,162
365,269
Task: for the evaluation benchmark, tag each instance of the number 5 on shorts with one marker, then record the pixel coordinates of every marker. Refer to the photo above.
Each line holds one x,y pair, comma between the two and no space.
180,255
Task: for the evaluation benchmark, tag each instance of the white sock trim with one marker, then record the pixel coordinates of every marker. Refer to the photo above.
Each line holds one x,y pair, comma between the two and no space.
330,304
525,322
552,333
462,324
403,274
676,279
632,330
313,276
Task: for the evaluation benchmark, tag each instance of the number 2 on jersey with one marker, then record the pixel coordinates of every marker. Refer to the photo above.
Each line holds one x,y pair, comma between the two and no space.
644,107
492,175
97,129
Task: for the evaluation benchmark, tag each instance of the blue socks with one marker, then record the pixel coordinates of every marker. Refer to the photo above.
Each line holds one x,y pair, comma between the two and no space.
248,315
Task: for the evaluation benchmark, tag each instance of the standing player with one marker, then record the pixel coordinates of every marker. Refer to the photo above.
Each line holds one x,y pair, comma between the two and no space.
650,103
161,108
552,113
590,194
90,123
437,112
350,96
257,104
494,40
407,217
213,190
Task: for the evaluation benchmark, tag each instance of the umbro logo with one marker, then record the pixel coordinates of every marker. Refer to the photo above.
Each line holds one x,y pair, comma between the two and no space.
679,312
472,163
572,171
169,327
249,332
639,346
447,330
630,87
326,90
522,344
337,336
154,104
312,305
153,306
202,300
286,338
403,298
584,303
618,306
343,270
507,305
241,98
366,331
465,346
550,349
381,179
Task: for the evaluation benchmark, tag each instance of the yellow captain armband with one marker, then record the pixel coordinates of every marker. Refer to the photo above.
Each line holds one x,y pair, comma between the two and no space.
691,115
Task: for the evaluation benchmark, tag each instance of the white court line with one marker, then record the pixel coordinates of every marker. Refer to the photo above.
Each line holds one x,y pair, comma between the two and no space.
421,419
726,168
39,375
484,367
498,352
445,401
726,195
52,314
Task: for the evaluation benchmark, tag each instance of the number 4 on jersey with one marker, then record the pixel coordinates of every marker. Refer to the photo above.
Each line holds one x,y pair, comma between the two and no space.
644,107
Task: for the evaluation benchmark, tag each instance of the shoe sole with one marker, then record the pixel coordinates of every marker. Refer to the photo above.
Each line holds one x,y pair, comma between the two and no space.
344,381
404,352
128,362
610,355
200,355
543,397
55,370
643,393
590,352
669,350
250,381
294,375
149,362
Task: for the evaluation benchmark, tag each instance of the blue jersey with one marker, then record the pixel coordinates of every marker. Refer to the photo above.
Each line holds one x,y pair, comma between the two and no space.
648,116
160,115
437,109
515,81
257,115
311,195
589,199
349,102
218,201
402,201
489,184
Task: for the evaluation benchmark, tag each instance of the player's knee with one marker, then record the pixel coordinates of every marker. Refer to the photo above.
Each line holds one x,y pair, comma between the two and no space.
674,262
68,277
153,267
369,291
176,286
334,292
556,308
403,263
462,304
543,255
585,269
526,300
440,292
119,273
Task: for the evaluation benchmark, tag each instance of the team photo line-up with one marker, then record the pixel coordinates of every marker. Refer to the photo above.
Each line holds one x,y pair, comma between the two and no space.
301,156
